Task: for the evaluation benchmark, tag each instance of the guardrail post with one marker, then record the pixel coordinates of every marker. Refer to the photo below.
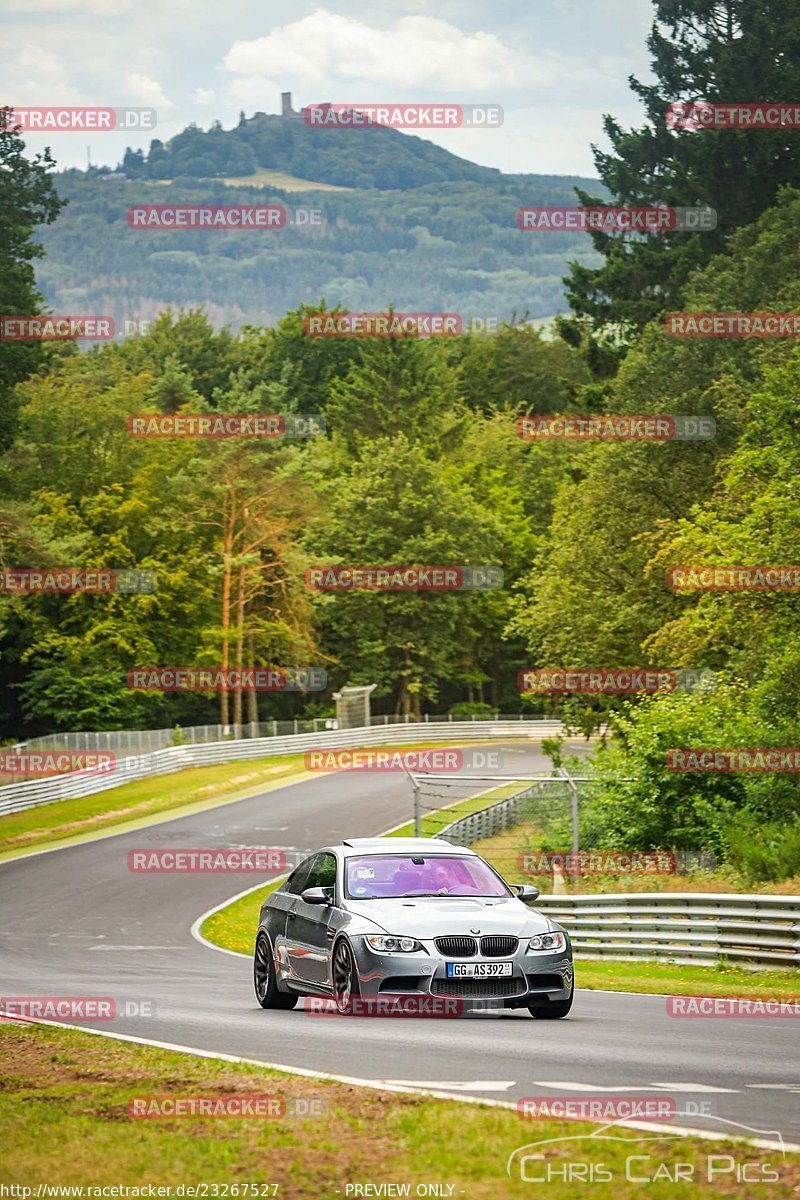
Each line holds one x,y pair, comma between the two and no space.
417,813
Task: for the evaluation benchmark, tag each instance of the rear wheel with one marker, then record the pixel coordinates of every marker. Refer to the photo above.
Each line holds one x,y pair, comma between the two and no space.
345,979
266,985
551,1010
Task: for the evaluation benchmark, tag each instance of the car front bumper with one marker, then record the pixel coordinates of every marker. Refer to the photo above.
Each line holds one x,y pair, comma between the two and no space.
542,976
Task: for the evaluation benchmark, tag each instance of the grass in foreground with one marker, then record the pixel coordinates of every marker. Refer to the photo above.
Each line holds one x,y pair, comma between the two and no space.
64,1108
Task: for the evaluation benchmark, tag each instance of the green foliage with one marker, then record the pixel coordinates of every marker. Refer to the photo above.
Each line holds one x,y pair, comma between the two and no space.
451,246
700,50
27,200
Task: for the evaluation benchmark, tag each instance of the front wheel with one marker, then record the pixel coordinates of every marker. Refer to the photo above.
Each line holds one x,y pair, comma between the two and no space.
345,978
551,1010
266,984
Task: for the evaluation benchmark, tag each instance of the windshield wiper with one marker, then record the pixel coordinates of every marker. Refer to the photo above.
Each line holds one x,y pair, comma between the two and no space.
406,895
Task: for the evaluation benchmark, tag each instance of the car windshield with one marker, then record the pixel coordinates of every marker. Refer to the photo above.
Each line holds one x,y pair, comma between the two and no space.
392,876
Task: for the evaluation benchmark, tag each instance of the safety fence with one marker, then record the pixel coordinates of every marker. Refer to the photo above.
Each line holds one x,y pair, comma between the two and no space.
18,796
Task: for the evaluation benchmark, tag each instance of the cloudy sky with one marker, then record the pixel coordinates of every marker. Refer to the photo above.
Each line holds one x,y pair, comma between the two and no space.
554,65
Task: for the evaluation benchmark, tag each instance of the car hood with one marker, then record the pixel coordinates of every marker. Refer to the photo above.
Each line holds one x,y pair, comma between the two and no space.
429,917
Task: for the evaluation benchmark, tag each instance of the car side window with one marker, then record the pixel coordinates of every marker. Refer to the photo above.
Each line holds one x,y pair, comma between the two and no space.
297,880
323,871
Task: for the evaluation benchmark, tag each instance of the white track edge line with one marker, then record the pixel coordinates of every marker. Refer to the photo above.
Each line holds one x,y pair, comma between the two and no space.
377,1086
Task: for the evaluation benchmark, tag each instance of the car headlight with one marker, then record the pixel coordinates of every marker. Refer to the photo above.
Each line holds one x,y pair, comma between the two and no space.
386,943
548,943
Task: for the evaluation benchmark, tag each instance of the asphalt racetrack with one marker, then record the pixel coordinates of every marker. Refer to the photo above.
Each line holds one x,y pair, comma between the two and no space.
76,921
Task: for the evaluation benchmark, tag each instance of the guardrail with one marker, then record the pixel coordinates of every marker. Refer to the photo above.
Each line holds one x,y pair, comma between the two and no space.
145,741
682,927
15,797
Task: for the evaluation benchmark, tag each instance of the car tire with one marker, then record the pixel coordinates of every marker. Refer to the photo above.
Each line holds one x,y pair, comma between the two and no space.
345,976
264,979
552,1010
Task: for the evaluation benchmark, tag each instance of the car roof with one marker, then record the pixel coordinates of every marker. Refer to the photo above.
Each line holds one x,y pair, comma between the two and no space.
399,845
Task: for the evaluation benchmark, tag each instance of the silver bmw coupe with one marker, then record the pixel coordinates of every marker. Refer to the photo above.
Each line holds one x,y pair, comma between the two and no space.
416,918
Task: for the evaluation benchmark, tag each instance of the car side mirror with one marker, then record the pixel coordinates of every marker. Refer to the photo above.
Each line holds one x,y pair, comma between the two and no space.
526,892
321,895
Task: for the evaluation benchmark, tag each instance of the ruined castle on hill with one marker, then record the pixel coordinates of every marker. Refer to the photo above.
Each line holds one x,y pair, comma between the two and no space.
287,113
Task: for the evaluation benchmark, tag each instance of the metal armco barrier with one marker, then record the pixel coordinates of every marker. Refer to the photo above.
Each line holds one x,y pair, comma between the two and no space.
15,797
682,927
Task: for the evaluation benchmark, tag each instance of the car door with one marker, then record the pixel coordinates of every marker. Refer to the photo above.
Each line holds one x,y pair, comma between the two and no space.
282,918
309,932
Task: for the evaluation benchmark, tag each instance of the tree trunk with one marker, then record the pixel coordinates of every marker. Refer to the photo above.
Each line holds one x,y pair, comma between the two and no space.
237,695
228,524
252,698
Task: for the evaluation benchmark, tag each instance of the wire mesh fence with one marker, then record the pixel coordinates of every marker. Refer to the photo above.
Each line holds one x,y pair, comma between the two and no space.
530,830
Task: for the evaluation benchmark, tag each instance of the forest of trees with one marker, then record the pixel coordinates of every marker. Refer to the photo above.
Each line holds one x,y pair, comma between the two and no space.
421,463
454,246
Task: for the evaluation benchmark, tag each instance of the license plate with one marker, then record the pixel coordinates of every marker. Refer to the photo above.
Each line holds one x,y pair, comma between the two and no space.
478,970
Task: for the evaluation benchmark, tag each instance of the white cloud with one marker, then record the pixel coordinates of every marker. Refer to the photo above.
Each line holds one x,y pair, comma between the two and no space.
146,91
417,51
204,95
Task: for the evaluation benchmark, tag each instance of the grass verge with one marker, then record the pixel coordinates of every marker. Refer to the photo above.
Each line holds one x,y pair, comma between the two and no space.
679,980
434,821
503,851
141,801
65,1110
